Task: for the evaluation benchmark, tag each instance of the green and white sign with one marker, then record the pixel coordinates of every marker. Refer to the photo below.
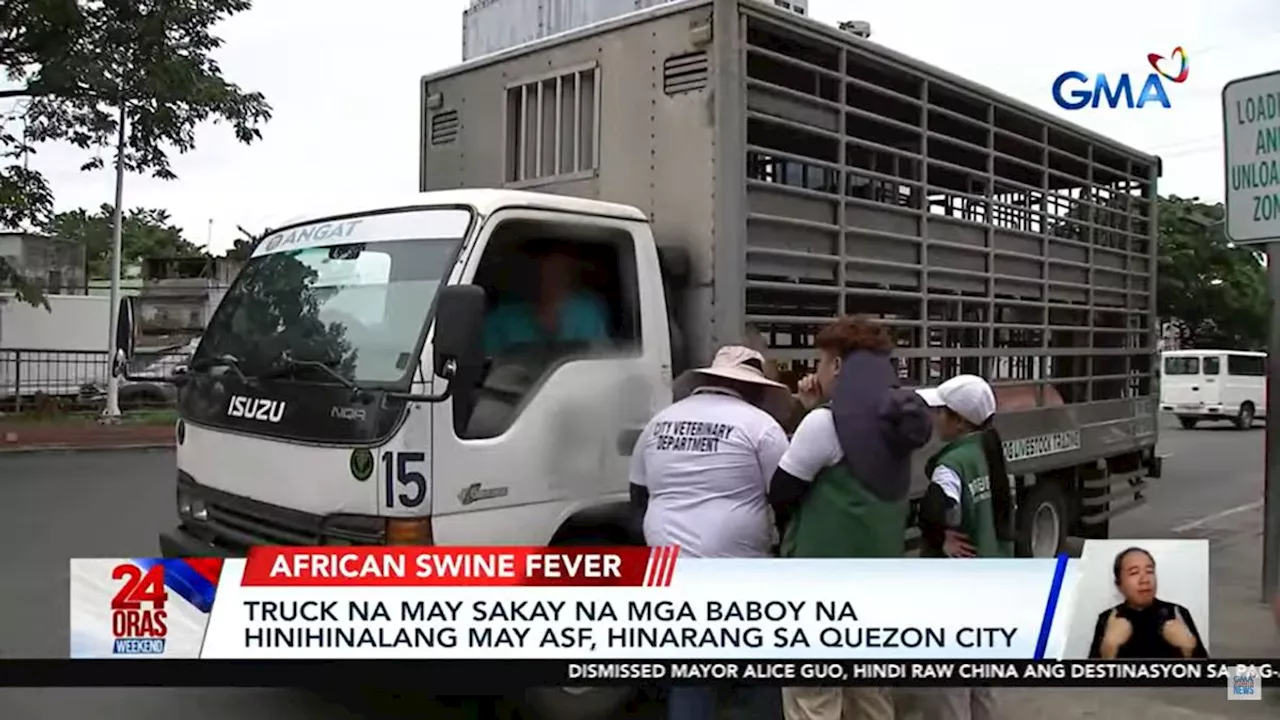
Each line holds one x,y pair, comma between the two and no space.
1251,139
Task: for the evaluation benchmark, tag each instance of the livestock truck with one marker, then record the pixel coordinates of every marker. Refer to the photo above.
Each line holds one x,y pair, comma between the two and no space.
724,171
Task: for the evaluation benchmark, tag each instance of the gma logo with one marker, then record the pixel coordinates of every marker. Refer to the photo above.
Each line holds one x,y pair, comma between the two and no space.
1092,91
1074,90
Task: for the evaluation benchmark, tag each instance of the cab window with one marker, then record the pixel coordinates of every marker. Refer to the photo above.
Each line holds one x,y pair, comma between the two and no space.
556,292
1181,366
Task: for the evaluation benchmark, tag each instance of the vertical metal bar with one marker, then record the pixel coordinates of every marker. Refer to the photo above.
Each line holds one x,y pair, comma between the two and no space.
1153,314
923,228
577,122
842,183
597,105
17,381
423,144
729,102
538,126
524,133
1271,492
559,129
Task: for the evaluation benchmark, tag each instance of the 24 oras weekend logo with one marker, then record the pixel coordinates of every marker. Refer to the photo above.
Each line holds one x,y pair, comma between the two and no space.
137,611
1075,90
148,591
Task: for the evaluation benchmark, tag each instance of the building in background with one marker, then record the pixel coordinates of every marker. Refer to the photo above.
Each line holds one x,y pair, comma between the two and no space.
490,26
178,297
54,264
130,282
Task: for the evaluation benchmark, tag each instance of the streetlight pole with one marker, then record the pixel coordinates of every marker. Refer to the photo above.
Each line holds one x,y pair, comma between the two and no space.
112,412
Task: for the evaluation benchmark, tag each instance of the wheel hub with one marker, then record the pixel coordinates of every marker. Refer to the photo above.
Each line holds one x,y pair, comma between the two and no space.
1045,530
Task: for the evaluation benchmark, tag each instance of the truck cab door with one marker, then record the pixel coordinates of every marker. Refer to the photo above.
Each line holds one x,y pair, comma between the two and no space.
550,429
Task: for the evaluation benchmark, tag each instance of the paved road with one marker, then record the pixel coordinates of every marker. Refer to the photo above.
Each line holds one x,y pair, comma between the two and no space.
58,506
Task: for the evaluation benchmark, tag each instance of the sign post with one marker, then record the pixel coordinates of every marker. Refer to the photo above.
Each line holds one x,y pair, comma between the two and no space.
1251,144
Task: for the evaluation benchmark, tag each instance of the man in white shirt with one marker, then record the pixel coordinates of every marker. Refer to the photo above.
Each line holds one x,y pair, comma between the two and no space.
699,476
701,467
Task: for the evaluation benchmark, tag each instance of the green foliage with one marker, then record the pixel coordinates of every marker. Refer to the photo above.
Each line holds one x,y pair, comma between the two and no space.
79,62
1215,290
144,233
241,249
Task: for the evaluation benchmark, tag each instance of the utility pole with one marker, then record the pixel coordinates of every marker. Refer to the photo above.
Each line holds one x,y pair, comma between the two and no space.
112,412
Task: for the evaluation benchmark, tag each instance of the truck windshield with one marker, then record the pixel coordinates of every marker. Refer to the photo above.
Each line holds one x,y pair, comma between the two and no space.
1182,366
353,293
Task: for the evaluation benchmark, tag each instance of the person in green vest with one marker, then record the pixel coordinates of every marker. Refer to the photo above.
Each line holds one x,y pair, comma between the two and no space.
967,509
841,489
968,506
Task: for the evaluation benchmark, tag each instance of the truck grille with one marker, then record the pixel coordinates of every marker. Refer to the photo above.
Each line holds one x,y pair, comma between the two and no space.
241,523
237,523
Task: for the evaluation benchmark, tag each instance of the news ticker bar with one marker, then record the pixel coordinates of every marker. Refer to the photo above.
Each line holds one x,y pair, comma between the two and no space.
484,677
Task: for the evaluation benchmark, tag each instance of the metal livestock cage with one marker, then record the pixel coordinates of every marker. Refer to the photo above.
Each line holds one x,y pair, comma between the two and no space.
811,173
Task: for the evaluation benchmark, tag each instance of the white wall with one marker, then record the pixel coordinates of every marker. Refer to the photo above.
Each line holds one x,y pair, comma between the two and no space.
74,322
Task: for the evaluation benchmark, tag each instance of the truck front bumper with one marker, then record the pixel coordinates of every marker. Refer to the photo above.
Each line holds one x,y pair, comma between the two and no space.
178,543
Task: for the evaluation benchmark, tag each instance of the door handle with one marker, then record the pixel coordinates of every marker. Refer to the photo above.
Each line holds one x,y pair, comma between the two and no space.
1195,388
627,440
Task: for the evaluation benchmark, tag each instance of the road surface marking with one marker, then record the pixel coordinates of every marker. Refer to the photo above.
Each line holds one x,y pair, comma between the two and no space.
1217,516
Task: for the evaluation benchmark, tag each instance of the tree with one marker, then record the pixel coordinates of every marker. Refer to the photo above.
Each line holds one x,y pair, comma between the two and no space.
145,233
1215,291
78,63
242,247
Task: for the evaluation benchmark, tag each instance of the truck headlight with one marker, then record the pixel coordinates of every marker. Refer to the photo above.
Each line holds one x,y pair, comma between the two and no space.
190,508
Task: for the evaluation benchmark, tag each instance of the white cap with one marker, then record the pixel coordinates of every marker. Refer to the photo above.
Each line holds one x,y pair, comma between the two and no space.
968,396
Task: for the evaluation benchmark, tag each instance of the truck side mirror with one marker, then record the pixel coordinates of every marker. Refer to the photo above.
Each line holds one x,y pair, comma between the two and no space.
457,350
124,337
120,363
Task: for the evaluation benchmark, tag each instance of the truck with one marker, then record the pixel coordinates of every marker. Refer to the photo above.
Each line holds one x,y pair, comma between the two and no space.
52,349
723,171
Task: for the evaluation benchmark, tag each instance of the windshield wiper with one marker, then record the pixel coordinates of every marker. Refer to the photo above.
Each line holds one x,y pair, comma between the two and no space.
287,364
226,362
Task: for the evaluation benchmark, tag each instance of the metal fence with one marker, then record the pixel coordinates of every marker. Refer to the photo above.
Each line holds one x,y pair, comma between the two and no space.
34,380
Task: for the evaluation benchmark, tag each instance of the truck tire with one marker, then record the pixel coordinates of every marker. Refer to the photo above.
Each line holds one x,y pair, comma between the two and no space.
1244,418
578,703
1042,521
1187,423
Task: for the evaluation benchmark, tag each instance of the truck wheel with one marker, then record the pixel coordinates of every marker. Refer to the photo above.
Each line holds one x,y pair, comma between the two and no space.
578,703
1244,419
1042,521
1188,423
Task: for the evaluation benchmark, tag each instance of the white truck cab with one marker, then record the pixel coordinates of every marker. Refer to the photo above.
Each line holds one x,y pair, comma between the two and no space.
334,399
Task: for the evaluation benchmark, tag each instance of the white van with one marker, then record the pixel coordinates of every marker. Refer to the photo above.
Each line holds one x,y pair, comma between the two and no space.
1200,385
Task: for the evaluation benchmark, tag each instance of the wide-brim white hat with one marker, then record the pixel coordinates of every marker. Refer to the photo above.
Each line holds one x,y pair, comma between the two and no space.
744,365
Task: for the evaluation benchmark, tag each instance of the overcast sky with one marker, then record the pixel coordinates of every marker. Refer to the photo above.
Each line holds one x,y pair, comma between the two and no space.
342,76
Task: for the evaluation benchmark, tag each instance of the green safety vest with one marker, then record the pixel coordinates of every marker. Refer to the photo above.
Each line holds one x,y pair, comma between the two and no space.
840,518
964,457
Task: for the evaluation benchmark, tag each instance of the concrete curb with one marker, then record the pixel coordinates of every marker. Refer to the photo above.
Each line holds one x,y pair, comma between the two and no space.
71,448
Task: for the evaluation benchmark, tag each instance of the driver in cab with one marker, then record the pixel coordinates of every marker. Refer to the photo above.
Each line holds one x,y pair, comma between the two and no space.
558,312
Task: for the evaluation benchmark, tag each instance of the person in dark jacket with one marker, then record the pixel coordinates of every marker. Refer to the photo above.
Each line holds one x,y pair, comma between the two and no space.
842,486
1144,627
